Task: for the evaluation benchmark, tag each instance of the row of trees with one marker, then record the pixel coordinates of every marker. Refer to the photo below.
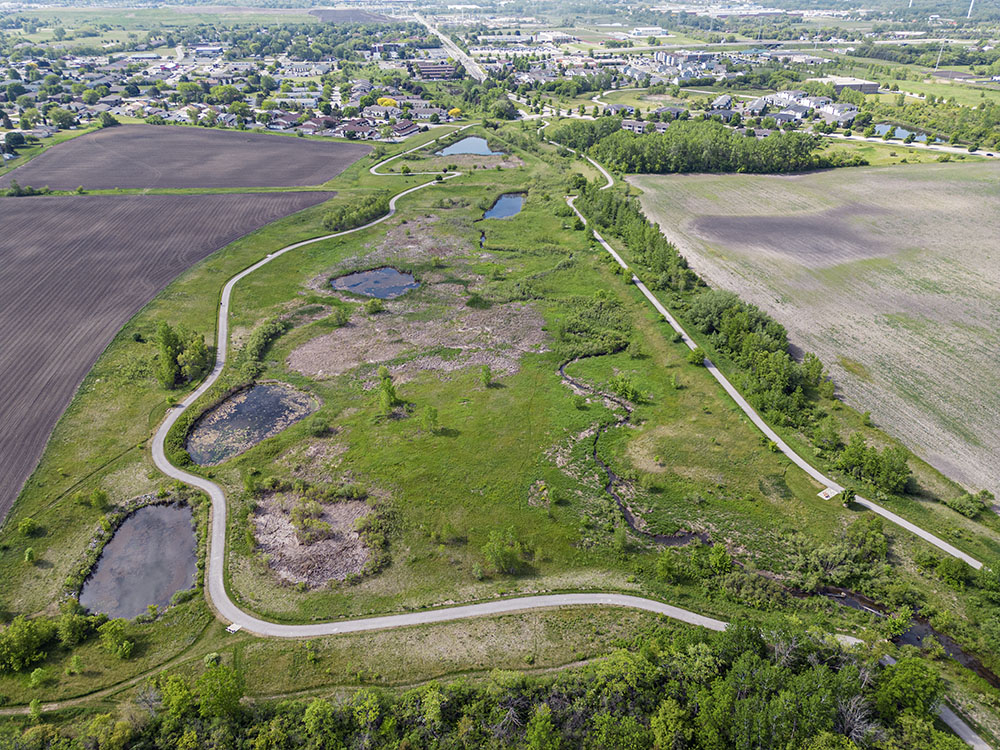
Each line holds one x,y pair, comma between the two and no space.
27,641
740,688
771,378
622,217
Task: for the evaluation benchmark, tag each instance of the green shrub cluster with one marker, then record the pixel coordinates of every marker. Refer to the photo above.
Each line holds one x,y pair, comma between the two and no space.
351,215
182,356
595,325
677,689
887,469
248,362
769,377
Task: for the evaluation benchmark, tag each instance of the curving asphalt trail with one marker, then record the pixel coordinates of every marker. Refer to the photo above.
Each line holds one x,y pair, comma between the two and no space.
215,569
765,428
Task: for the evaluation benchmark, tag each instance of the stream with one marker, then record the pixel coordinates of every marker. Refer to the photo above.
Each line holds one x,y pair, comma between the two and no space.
919,627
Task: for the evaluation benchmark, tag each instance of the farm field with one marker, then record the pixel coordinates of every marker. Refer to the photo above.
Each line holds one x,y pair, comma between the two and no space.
75,270
159,157
888,274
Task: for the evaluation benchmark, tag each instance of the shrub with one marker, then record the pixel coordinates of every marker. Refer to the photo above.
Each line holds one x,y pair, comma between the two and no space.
970,505
503,551
696,356
350,216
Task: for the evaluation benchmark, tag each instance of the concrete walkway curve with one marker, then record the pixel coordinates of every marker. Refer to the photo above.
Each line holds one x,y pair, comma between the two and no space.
794,457
224,606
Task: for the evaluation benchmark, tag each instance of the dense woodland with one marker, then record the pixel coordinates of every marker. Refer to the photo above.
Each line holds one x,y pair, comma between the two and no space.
692,146
738,690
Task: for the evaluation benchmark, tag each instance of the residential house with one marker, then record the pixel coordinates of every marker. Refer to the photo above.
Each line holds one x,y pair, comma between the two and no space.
427,113
378,112
405,128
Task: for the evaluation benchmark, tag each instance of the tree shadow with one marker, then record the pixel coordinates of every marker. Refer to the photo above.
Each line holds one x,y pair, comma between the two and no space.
448,432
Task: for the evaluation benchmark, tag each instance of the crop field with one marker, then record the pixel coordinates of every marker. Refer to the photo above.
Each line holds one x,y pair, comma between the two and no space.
890,275
164,157
75,269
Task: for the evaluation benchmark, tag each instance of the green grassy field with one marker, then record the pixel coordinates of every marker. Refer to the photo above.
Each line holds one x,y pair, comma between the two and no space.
514,453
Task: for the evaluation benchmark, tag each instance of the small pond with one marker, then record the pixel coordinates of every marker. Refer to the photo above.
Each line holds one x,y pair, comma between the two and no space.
384,283
901,133
245,419
507,205
471,145
150,557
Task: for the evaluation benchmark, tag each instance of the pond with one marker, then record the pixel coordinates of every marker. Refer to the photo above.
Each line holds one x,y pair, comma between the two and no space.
471,145
245,419
384,283
150,557
901,133
507,205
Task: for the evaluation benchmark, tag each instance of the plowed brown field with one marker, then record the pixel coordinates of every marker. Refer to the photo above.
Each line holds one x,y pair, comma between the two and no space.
890,274
74,270
167,157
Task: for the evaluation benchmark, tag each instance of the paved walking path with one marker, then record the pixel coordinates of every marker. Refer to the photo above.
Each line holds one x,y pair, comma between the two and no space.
766,429
218,596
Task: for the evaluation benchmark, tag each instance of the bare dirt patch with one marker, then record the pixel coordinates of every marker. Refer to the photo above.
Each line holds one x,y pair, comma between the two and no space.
339,553
159,156
822,239
904,304
498,337
74,270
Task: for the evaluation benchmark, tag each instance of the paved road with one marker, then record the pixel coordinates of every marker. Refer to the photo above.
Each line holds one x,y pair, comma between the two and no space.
766,429
470,65
600,168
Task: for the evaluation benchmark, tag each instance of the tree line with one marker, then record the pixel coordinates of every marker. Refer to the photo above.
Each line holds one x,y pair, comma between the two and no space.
706,146
672,689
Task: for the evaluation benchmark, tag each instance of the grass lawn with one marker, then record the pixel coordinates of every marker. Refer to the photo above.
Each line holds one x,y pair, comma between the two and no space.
513,453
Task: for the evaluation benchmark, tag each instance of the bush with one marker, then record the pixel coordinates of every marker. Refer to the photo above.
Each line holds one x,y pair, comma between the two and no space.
696,357
113,639
503,551
23,643
350,216
887,469
27,527
970,505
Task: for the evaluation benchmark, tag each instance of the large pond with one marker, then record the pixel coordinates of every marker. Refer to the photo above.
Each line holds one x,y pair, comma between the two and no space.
150,558
507,205
245,419
473,144
384,283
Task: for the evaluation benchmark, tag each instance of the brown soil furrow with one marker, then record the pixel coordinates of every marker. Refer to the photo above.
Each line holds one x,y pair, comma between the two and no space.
75,269
151,157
